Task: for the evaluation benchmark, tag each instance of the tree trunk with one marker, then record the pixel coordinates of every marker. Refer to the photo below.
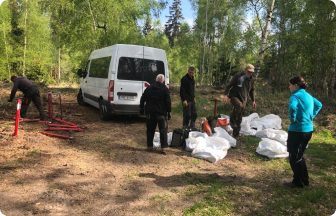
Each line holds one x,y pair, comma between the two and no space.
321,70
93,22
208,61
5,41
59,63
333,73
200,57
264,38
205,38
25,40
227,78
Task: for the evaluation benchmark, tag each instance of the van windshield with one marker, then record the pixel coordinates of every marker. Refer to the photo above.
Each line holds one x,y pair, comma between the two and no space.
139,69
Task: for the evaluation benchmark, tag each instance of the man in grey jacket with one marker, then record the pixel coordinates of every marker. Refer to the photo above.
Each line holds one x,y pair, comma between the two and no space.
240,87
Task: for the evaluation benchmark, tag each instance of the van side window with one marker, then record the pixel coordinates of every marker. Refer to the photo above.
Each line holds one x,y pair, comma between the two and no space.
99,68
86,69
139,69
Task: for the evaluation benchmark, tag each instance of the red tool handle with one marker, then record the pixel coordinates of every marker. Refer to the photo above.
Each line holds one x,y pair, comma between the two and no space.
64,129
18,108
56,135
215,111
68,123
64,126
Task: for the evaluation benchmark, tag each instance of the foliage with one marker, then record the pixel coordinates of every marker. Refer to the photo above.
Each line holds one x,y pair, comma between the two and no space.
48,40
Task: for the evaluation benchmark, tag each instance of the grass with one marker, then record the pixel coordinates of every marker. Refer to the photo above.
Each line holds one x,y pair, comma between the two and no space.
164,197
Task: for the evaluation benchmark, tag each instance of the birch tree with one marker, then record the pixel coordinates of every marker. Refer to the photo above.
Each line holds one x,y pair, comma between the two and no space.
264,39
5,26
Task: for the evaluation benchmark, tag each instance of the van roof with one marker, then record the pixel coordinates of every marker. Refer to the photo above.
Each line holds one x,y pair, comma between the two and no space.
107,51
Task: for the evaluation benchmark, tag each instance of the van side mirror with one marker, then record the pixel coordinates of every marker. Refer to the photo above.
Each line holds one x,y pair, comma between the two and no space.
81,73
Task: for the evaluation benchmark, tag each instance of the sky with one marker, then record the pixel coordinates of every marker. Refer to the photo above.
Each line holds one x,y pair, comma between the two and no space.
1,1
187,12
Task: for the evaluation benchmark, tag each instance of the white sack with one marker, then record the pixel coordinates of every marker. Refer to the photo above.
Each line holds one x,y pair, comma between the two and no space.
217,143
246,124
229,129
220,132
278,135
156,140
209,154
268,121
194,138
169,138
213,149
272,149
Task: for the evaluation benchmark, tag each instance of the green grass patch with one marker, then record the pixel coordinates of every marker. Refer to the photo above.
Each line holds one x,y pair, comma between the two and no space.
322,155
299,201
323,136
177,109
158,197
214,203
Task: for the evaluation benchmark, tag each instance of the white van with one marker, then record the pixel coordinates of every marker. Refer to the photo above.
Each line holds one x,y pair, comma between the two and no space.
116,76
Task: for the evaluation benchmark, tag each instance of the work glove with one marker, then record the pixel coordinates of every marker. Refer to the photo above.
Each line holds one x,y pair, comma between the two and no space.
185,103
142,111
169,116
195,100
10,100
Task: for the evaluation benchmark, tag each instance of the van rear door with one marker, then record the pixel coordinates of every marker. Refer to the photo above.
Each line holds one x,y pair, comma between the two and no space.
128,80
154,64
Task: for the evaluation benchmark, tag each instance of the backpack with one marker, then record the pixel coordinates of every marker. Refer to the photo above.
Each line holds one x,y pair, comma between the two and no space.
180,135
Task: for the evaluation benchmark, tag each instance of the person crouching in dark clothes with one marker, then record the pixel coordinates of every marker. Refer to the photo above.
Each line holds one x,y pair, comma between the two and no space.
302,110
31,93
158,107
187,94
240,87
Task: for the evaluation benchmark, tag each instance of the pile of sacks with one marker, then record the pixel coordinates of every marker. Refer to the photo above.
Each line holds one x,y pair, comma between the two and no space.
214,147
273,142
211,148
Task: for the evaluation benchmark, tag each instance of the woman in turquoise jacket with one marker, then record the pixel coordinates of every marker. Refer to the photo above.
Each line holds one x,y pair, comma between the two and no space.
302,110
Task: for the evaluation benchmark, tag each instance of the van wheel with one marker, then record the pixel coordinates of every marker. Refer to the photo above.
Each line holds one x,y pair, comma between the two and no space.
102,111
80,99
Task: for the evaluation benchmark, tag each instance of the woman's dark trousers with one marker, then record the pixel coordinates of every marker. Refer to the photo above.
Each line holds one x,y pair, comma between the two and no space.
296,145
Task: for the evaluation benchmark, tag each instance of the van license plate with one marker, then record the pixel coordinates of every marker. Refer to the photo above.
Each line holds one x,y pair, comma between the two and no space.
124,97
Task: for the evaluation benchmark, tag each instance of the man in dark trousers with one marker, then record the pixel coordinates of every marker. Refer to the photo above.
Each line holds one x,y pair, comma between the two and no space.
240,87
31,93
158,107
187,94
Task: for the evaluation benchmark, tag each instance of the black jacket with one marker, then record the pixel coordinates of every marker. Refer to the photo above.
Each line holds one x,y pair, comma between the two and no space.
157,99
23,85
241,87
187,89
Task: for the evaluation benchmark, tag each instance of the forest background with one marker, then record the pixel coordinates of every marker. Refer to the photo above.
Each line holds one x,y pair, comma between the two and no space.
48,40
